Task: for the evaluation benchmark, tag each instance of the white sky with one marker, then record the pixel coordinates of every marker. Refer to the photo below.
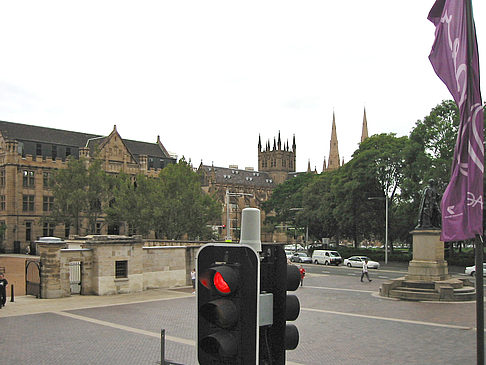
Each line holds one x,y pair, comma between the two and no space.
210,76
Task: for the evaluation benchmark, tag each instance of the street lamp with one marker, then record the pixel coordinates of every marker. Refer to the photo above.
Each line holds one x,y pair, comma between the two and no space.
228,220
386,222
306,226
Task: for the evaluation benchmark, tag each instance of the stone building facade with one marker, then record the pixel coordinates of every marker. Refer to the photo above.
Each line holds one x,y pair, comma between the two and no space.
30,154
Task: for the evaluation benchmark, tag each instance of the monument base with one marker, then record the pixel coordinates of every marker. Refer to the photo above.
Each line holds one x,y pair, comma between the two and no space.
428,270
428,275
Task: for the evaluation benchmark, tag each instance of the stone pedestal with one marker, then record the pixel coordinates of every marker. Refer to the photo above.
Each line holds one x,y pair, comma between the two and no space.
428,262
428,276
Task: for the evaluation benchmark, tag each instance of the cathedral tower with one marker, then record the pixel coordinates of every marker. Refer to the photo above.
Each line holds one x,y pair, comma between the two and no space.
333,162
364,132
278,161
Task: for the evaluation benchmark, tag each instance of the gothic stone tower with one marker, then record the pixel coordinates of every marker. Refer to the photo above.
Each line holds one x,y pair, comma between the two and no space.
333,162
277,161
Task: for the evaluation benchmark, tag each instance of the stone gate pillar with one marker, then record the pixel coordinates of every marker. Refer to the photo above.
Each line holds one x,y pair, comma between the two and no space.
49,249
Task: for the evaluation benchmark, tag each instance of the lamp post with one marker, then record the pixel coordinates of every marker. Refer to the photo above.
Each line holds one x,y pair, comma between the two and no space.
306,226
228,220
386,223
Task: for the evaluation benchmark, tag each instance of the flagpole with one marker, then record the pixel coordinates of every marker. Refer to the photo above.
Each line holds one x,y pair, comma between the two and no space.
479,250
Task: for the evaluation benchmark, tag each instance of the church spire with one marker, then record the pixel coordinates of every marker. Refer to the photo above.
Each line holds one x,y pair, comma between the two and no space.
308,166
333,149
279,142
324,167
364,132
259,143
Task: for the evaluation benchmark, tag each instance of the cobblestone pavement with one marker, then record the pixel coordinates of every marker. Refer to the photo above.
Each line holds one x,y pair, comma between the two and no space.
342,321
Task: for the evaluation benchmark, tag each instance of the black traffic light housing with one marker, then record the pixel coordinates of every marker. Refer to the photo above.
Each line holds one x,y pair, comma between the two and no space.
227,301
276,277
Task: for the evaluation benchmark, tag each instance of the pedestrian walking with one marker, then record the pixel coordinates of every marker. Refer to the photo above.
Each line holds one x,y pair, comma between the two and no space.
193,279
302,275
365,271
3,290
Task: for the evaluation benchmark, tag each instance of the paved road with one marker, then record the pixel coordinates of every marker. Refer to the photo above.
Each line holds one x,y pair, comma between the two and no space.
342,321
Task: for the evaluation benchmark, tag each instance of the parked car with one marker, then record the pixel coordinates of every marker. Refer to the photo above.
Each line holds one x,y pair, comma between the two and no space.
471,270
289,254
357,261
326,257
300,257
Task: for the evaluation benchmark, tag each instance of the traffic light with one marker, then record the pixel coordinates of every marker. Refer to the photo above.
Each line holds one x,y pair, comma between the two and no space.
277,278
227,301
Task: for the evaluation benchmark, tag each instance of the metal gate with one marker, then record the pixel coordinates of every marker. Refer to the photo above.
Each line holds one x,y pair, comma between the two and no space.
32,278
75,277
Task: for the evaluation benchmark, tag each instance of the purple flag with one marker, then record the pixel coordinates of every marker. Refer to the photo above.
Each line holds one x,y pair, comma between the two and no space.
454,57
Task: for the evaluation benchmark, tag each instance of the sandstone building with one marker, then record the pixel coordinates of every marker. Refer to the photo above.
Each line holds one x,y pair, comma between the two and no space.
29,155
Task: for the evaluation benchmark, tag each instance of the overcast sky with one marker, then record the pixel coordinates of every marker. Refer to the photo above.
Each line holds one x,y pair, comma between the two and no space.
210,76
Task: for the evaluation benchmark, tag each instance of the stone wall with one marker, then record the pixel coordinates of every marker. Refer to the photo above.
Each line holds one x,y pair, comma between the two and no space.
147,267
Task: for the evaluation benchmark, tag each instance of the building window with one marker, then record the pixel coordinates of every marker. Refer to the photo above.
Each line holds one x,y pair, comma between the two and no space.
47,203
98,228
68,151
48,229
2,202
28,231
3,227
54,152
121,269
38,149
28,203
67,230
28,178
47,180
2,177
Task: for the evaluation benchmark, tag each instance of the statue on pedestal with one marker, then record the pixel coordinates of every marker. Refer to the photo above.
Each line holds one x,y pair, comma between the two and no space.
429,212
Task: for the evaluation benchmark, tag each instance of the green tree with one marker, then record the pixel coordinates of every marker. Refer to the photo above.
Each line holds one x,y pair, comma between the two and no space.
131,202
180,205
319,202
69,190
97,193
286,203
79,192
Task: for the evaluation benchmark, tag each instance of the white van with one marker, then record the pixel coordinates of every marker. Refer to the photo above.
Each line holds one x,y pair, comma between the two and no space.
326,257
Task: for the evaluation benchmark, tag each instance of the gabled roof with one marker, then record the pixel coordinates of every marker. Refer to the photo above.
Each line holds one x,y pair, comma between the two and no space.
16,131
231,176
25,132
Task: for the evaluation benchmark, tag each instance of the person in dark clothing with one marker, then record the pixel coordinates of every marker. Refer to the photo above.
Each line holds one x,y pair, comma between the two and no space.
3,290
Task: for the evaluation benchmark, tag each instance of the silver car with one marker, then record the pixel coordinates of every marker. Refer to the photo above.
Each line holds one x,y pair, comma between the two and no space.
300,257
357,261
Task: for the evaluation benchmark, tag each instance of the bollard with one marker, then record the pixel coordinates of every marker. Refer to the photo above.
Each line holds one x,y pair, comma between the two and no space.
162,347
12,293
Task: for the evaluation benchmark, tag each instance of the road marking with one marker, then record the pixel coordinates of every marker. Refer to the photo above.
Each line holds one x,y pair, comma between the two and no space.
388,319
383,277
341,289
138,331
126,328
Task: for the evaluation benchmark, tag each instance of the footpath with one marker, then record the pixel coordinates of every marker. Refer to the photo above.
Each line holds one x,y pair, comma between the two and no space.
24,305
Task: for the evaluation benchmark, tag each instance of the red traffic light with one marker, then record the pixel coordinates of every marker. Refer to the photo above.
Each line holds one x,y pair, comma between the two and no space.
222,278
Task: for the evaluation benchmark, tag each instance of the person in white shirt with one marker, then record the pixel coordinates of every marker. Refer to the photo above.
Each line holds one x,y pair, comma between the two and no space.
365,271
193,279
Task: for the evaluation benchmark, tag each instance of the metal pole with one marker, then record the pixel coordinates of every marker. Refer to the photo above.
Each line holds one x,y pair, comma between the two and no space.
479,300
228,221
162,347
386,229
12,293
